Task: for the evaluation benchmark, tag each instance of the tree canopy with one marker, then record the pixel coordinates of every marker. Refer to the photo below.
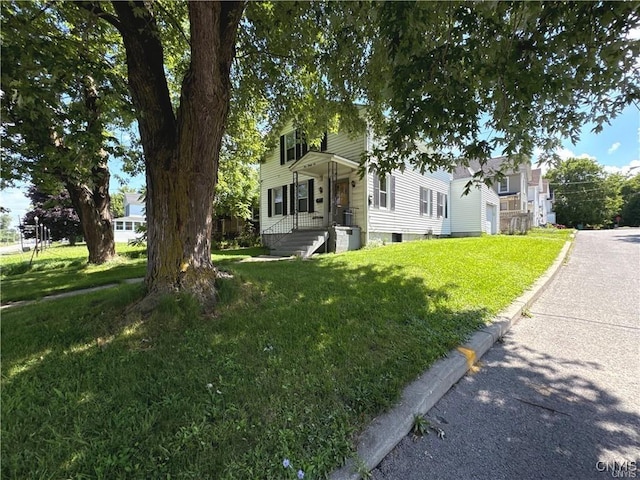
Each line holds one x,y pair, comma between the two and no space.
583,193
55,212
64,94
466,79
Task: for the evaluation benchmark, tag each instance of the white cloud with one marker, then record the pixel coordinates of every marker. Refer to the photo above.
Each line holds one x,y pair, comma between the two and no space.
613,148
633,168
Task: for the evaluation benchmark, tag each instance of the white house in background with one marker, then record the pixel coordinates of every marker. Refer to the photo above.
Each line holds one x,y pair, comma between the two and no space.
124,228
546,204
314,199
535,205
475,213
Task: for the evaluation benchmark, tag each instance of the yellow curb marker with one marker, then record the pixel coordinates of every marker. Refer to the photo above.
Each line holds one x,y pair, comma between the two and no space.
469,354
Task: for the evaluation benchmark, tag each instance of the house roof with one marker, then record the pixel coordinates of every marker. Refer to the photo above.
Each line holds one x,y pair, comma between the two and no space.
490,168
315,164
133,199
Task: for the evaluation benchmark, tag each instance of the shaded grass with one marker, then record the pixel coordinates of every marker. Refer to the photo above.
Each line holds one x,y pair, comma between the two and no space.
300,357
64,268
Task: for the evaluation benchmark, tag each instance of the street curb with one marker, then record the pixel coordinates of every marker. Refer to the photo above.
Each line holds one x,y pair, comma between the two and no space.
387,430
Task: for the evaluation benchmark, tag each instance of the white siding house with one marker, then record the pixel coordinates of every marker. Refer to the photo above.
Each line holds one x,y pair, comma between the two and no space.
475,213
124,228
321,189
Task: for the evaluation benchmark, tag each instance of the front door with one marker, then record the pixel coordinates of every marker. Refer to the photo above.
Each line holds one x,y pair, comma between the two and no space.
342,203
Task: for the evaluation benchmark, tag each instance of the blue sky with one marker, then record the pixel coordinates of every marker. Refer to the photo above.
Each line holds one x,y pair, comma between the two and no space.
617,148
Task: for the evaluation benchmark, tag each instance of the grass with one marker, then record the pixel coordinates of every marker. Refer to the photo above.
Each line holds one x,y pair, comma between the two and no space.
300,356
64,268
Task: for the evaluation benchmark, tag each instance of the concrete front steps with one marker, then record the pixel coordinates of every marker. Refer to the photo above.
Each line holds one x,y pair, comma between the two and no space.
302,243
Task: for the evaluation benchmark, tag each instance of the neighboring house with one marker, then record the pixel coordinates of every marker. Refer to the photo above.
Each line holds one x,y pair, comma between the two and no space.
124,228
314,199
475,213
546,203
535,204
512,191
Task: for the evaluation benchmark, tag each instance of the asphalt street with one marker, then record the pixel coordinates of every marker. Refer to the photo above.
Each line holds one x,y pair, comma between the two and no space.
560,396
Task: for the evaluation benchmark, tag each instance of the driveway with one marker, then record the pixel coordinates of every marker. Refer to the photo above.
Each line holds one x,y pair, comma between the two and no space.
560,397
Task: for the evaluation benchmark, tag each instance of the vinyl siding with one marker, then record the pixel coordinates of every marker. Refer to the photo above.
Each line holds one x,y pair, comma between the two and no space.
272,175
469,212
466,209
406,218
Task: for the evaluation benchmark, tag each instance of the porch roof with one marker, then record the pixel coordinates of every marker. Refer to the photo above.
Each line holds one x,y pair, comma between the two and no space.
315,164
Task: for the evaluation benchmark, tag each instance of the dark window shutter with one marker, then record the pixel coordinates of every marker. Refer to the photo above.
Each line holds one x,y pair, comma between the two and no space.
311,200
392,193
376,191
284,200
293,198
422,212
323,144
282,152
270,203
305,147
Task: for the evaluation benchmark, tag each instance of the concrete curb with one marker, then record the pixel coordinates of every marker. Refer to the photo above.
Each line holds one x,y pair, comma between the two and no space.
387,430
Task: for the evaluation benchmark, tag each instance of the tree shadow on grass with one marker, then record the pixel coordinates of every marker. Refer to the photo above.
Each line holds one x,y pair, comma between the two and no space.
294,365
525,415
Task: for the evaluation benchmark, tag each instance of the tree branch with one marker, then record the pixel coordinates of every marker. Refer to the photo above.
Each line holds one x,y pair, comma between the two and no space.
96,9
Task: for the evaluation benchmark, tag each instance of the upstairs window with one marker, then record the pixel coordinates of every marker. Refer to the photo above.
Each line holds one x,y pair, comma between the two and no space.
290,146
293,146
503,185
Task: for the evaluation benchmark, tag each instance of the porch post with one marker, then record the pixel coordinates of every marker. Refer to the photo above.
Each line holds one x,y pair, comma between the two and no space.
294,196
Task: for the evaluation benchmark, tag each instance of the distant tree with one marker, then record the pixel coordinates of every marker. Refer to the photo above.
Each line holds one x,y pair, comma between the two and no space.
5,221
56,212
630,192
583,194
63,89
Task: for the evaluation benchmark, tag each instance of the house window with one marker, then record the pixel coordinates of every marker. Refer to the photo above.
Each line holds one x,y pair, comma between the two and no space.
380,190
119,225
503,185
426,202
303,197
278,201
384,191
442,210
293,146
290,146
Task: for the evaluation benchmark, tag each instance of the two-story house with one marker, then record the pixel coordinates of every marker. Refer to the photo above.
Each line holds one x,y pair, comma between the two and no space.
124,228
315,200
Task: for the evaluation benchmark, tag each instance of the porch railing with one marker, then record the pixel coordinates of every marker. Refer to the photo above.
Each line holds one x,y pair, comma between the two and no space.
273,235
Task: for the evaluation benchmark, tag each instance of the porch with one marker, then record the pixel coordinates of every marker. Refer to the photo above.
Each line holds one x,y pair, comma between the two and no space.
320,203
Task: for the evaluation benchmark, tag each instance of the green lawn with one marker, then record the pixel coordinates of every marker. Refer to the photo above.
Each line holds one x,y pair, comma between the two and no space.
64,268
299,357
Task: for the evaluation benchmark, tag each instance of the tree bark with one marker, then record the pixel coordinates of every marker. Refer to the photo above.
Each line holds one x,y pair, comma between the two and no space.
92,206
182,150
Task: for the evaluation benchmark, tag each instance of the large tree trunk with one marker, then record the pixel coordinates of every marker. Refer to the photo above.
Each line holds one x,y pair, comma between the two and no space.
92,206
181,151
